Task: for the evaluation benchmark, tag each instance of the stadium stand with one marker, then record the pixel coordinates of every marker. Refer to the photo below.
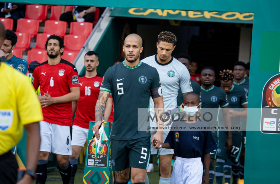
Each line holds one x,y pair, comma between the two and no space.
70,55
55,12
81,28
23,41
41,40
36,12
55,27
8,23
39,55
28,26
17,53
74,42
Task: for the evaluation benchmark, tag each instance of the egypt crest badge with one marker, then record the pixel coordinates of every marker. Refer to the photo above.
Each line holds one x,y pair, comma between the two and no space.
270,117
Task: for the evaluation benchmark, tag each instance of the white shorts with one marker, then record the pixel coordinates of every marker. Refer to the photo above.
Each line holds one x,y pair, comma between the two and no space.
55,138
187,171
79,136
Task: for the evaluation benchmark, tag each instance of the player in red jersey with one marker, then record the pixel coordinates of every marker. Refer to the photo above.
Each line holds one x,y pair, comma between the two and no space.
84,108
195,76
59,84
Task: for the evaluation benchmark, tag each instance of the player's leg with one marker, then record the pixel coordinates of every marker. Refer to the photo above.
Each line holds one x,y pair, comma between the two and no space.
139,150
235,155
219,170
45,149
242,157
61,146
120,161
221,156
227,171
79,137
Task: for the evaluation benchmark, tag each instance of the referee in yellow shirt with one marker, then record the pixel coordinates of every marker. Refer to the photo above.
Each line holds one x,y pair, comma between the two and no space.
19,107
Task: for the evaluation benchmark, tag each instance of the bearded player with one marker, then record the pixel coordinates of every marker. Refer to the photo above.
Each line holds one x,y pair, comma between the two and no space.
131,83
59,84
173,77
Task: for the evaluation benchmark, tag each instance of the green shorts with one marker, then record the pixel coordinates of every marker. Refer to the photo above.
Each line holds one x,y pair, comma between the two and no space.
214,152
236,145
130,153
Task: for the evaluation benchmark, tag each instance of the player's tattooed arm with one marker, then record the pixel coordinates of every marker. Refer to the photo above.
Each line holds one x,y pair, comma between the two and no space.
99,111
122,176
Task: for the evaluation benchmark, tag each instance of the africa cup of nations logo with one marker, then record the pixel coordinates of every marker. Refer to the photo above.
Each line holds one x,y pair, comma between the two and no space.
270,122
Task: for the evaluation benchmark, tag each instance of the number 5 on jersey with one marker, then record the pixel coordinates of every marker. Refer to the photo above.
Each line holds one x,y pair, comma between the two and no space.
120,88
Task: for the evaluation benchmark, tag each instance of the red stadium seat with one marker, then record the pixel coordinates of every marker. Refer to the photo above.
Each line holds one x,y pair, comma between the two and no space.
69,8
36,12
17,53
70,55
41,40
23,41
39,55
96,16
74,42
55,27
28,26
81,28
8,23
55,12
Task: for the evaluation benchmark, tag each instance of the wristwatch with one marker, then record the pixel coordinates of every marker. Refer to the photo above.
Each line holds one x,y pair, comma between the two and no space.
31,173
85,11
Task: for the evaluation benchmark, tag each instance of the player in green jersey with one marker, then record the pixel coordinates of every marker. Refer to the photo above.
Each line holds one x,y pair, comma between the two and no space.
131,84
237,99
213,98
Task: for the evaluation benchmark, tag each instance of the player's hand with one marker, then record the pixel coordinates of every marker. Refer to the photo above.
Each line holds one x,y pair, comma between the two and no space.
232,113
48,100
157,140
25,180
6,10
205,179
228,145
81,14
95,130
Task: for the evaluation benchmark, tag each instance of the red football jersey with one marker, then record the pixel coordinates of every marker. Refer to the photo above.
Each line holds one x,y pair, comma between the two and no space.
196,78
56,80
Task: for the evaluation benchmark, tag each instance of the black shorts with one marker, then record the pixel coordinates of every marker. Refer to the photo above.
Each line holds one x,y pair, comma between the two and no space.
8,168
130,153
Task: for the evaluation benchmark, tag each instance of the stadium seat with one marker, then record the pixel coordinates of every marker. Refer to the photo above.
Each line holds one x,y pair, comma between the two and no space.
41,40
23,41
55,12
55,27
36,12
8,23
17,53
28,26
81,28
96,16
74,42
39,55
69,8
70,55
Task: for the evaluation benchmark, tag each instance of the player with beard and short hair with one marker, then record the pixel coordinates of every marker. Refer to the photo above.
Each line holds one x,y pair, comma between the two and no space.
237,99
240,81
213,98
173,76
185,59
131,83
84,108
59,84
7,47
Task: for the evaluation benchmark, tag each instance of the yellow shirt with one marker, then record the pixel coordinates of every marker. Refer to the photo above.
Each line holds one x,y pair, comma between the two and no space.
19,105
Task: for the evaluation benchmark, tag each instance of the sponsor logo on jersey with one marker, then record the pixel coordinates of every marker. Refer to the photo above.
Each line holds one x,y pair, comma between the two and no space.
214,99
20,67
196,138
143,79
171,73
6,119
269,124
61,72
234,99
75,79
177,136
96,84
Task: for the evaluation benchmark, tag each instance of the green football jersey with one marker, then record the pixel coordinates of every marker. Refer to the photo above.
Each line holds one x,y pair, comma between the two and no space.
211,100
131,88
236,98
196,89
245,86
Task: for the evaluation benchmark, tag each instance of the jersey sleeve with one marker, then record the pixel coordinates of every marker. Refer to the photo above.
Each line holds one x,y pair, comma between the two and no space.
29,108
22,66
35,80
223,100
244,98
156,90
73,79
185,81
107,82
209,143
